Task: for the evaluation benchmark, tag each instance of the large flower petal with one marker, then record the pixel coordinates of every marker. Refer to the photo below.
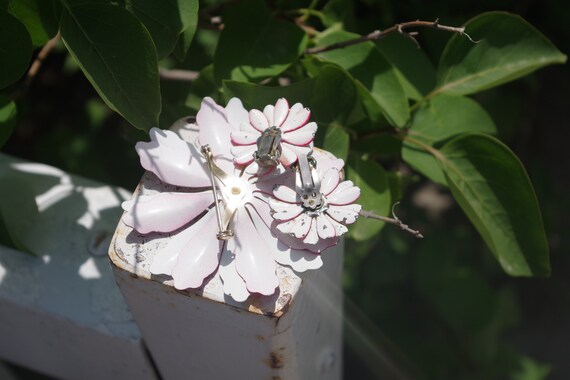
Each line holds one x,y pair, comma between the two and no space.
198,261
165,212
172,159
234,285
253,262
236,113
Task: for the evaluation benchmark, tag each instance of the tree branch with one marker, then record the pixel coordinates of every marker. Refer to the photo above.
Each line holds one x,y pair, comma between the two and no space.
394,220
178,75
399,28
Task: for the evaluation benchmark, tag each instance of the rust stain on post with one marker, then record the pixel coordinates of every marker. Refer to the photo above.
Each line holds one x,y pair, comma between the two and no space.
275,360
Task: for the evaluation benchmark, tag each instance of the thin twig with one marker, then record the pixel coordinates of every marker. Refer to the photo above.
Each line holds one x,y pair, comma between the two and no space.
178,75
399,28
37,64
394,220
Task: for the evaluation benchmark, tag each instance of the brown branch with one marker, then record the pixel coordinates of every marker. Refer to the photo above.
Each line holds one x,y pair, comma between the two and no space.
37,64
394,220
399,28
178,75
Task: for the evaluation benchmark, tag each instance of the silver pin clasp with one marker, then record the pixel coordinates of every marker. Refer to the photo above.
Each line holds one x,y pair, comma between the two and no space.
268,147
309,183
224,233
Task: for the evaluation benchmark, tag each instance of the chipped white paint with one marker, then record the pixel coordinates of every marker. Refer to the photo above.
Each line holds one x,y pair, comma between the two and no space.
202,334
61,312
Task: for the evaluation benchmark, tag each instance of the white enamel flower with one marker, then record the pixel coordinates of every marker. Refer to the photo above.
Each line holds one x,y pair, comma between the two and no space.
324,221
245,263
295,134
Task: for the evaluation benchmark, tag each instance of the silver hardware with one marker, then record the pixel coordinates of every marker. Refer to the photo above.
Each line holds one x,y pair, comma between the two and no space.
309,185
268,147
224,233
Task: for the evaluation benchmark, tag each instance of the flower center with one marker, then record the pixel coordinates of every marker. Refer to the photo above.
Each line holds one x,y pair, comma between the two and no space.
236,192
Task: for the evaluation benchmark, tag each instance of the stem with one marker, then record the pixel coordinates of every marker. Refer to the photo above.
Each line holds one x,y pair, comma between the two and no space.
394,220
400,28
178,75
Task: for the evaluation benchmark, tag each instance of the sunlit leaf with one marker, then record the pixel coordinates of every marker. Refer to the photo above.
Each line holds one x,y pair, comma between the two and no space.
376,78
16,49
7,118
336,140
508,48
117,55
437,120
166,20
492,187
372,180
38,16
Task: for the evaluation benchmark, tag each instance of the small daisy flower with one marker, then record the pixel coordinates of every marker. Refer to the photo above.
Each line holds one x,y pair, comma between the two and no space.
287,129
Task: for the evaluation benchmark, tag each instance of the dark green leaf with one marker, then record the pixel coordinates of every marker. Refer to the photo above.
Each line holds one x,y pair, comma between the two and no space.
331,95
7,118
255,45
508,48
15,51
413,67
372,180
39,18
184,40
379,145
492,187
117,55
437,120
336,141
166,20
376,78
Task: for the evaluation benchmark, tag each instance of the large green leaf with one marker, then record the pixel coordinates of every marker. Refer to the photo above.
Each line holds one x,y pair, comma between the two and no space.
492,187
331,95
437,120
508,48
335,140
38,16
377,79
255,45
15,51
372,180
166,20
413,67
117,55
7,118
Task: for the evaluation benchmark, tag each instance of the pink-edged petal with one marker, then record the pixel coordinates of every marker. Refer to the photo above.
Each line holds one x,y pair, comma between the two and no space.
313,235
237,114
344,194
172,159
339,228
298,259
246,127
302,226
346,214
269,111
258,120
253,261
234,285
288,156
330,181
280,113
287,226
325,228
243,154
244,138
286,194
298,116
299,137
165,212
278,176
199,258
284,210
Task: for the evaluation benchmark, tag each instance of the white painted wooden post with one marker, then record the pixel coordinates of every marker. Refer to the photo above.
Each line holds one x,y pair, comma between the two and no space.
200,334
61,313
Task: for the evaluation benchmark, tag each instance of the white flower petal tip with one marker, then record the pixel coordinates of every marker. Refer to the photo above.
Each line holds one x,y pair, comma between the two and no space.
172,160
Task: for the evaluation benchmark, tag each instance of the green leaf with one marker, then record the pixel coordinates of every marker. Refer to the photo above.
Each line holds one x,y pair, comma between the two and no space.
414,69
331,95
255,45
7,118
166,20
39,18
372,180
492,187
117,55
15,51
508,48
438,119
376,78
336,140
184,41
